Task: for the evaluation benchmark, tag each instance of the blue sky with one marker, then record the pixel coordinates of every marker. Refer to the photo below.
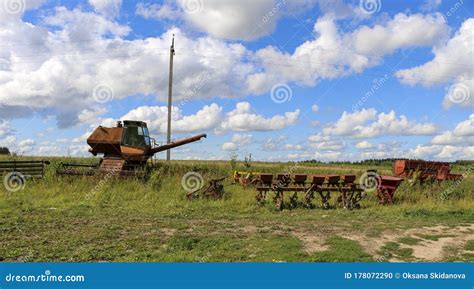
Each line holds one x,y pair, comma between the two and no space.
283,80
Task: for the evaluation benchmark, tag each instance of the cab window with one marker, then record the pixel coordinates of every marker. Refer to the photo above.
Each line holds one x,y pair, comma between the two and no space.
147,136
134,136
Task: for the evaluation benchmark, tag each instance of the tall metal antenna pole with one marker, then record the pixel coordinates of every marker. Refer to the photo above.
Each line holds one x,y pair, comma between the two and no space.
170,93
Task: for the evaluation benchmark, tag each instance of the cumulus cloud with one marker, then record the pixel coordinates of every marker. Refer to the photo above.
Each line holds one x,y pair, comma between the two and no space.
229,146
273,143
156,117
157,11
440,152
368,124
75,52
452,63
242,138
334,53
465,128
236,21
243,119
364,145
5,129
463,134
238,140
210,117
108,8
294,147
20,147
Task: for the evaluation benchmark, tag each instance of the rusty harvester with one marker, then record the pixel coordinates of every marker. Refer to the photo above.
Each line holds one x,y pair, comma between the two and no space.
126,148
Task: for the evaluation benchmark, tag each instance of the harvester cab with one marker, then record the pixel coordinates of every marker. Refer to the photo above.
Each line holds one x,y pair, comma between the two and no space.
124,148
129,141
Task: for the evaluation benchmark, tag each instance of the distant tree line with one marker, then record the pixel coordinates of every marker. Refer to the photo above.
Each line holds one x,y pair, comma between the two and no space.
4,151
379,162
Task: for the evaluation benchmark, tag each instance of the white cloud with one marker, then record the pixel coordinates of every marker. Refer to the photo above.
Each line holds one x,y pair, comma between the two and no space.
453,63
351,123
236,21
364,145
465,128
156,117
80,51
442,152
20,147
5,129
463,134
243,119
209,117
108,8
449,138
230,146
452,153
430,5
334,54
157,11
238,140
400,32
314,108
274,143
325,143
357,125
242,138
296,147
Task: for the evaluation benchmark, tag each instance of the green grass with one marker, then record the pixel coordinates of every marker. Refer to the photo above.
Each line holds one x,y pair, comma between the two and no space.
393,250
97,219
342,250
409,240
434,237
469,246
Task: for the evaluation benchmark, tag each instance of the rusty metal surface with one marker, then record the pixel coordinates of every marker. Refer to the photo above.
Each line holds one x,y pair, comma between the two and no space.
420,170
33,168
124,148
213,190
177,143
349,194
386,187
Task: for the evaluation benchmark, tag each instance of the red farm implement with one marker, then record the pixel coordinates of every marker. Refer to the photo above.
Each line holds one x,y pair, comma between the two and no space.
310,186
419,170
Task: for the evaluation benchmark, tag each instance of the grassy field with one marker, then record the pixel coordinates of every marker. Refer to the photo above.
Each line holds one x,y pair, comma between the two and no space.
109,219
